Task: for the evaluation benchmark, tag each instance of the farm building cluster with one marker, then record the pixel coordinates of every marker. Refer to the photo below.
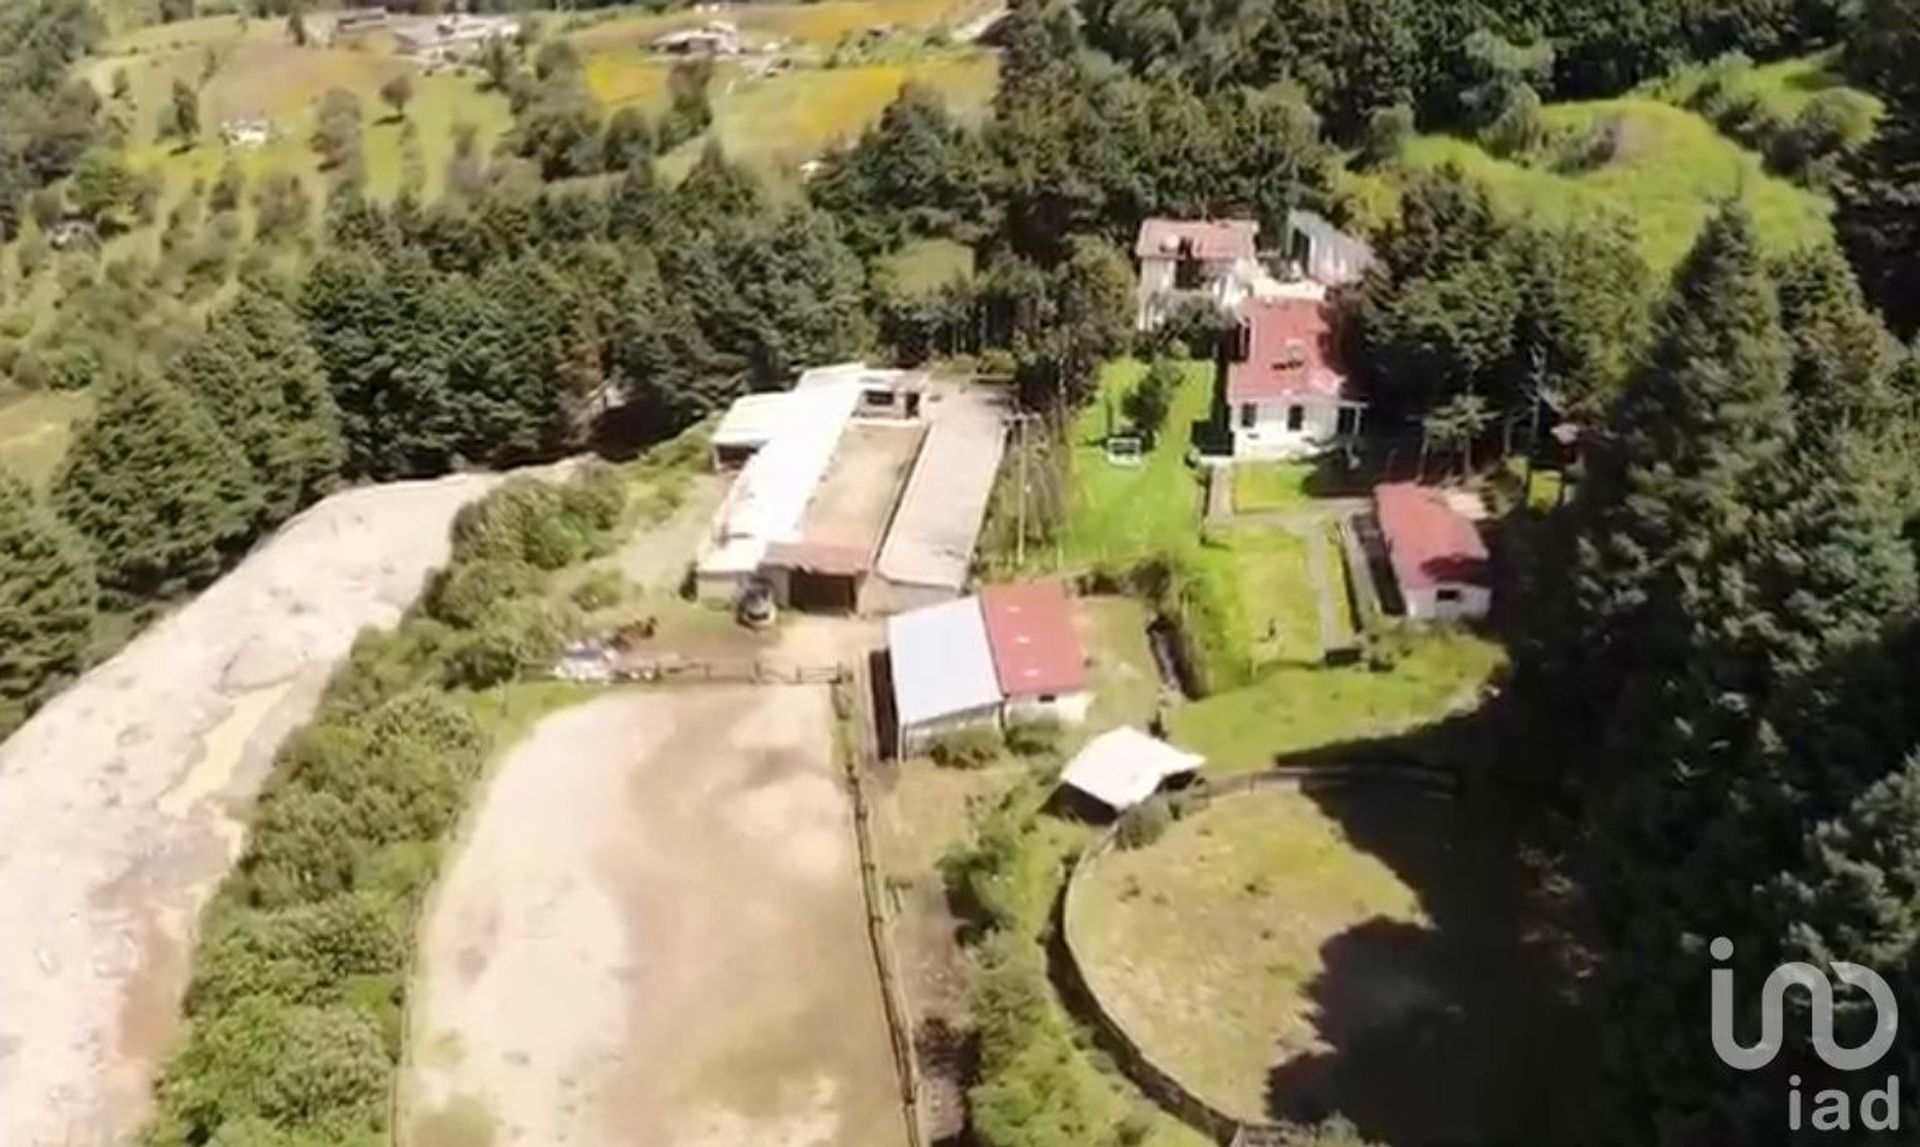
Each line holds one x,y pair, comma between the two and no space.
860,490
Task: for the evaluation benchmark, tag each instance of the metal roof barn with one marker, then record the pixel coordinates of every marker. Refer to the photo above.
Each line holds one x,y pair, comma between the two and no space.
942,665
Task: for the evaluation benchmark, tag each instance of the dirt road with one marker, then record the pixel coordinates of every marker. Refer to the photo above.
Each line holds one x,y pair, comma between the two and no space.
121,802
653,934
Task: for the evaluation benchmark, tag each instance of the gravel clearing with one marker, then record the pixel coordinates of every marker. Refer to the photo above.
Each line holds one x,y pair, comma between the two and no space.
122,802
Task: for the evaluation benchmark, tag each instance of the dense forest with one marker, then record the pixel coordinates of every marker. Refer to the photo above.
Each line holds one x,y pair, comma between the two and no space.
1711,728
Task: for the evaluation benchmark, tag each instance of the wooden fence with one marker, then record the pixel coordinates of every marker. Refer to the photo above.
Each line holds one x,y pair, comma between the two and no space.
852,700
741,672
1156,1082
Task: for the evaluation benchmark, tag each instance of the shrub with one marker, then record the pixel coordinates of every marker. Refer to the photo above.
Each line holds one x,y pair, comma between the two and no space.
465,593
1033,736
602,589
966,748
514,636
304,849
544,525
1144,823
315,1069
298,955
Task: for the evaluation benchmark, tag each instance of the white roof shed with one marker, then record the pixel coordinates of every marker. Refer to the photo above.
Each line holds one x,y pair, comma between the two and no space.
1123,767
942,665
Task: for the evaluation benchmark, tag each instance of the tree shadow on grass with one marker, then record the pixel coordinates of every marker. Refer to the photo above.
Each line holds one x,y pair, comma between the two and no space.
1462,1031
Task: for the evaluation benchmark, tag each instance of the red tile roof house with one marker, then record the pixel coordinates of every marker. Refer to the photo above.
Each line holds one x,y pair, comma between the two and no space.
1180,259
1286,394
1437,554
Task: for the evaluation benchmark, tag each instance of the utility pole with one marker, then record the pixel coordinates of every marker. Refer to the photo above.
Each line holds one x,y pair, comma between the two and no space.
1020,450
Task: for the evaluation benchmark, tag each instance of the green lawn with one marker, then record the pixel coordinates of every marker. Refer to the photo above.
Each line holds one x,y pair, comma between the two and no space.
1290,709
1118,516
1264,486
1671,169
1266,569
1222,946
1126,681
34,430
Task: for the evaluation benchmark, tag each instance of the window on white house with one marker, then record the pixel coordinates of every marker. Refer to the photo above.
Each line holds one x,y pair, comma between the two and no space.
1296,417
1447,596
1348,422
1048,698
1249,414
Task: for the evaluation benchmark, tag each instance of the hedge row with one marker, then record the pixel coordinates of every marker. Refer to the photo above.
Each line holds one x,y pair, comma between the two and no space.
294,1011
1032,1089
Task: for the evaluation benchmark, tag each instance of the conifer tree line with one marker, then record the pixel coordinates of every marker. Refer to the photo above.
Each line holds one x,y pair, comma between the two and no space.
1715,680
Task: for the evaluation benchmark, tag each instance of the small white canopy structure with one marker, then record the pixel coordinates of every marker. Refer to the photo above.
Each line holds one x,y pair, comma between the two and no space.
1123,767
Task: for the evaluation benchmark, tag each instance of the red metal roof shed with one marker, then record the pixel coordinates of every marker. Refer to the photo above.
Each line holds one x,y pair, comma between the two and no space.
1030,631
1429,543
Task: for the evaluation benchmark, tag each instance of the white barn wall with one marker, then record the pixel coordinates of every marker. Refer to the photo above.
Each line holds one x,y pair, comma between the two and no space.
1473,602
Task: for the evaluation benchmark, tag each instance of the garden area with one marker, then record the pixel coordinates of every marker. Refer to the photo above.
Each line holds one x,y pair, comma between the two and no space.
1279,952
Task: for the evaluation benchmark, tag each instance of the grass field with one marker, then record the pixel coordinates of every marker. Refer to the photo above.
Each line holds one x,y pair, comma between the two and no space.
821,25
1670,171
1118,516
1126,682
258,73
1263,486
34,430
1782,87
1263,954
1266,567
1291,709
783,120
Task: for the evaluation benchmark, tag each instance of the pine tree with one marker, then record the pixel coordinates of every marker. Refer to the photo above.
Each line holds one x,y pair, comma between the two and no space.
161,494
46,602
1879,216
1843,357
255,366
1721,570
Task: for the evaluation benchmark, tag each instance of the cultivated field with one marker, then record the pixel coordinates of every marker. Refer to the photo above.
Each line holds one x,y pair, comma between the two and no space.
122,803
653,934
1279,953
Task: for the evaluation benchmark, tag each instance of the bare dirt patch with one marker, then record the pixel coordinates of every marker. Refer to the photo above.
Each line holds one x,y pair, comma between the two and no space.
121,803
654,934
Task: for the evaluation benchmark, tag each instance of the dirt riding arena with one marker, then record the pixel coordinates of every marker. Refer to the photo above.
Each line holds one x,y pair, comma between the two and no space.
122,802
653,933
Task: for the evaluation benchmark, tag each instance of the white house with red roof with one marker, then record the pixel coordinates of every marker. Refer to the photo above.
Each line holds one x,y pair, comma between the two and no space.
1010,653
1181,259
1286,394
1438,557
